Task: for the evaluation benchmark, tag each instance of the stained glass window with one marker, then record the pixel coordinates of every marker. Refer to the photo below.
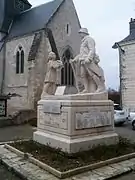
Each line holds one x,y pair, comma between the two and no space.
67,76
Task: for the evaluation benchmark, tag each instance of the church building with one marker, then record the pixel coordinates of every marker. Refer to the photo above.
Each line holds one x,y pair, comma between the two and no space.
126,49
27,35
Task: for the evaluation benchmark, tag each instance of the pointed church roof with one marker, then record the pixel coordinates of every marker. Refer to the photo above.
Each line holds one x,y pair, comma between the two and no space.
34,19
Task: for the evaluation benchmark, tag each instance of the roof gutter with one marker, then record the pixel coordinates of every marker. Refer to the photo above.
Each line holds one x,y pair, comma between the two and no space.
117,46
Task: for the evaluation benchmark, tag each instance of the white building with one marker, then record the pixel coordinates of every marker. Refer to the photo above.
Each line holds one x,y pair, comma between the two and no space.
126,49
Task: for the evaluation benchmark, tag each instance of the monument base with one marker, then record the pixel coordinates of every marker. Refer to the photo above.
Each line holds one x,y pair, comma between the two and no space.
73,124
77,144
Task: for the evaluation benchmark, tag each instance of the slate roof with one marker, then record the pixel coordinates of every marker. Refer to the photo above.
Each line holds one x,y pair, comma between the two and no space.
25,1
130,37
34,19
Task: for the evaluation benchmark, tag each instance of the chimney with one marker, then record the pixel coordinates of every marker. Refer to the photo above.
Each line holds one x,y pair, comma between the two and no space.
132,25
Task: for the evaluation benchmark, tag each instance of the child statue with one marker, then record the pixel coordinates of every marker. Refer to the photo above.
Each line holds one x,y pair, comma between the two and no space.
51,79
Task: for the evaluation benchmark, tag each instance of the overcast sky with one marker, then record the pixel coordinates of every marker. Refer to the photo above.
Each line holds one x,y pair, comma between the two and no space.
107,22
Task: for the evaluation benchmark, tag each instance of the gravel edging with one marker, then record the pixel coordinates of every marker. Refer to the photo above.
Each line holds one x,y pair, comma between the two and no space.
70,172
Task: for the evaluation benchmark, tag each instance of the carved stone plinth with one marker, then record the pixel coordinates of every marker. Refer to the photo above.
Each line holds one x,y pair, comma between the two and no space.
76,122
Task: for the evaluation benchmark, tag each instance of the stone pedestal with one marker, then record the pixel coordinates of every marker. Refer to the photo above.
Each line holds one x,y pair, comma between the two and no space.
76,122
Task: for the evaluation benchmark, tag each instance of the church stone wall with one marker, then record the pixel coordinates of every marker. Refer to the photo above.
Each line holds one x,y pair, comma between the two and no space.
17,83
30,84
37,71
66,15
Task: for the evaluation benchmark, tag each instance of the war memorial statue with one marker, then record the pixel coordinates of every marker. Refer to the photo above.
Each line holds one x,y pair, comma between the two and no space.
86,66
76,122
51,78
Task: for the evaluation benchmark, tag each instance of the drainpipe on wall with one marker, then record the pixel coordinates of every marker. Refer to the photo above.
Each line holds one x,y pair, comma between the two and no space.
121,51
120,78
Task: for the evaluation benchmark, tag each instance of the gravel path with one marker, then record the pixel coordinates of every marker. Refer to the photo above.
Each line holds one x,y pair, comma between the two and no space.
16,132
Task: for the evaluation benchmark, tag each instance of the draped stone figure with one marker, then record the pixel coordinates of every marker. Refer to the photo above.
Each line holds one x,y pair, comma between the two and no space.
52,75
86,67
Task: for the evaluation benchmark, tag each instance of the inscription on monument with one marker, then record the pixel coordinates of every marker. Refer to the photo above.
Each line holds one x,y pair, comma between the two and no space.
92,120
60,90
57,121
52,107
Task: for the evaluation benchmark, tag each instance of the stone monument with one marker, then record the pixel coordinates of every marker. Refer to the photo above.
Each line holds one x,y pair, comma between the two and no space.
86,66
78,122
51,79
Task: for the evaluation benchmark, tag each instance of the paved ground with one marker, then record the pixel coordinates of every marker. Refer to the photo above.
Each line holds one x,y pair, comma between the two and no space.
126,131
9,134
130,176
16,132
25,132
6,175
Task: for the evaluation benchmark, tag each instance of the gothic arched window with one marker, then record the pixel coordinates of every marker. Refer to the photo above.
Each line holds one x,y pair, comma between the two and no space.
20,61
67,76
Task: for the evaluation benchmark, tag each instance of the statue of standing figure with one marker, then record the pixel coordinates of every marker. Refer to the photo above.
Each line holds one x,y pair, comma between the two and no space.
51,79
87,65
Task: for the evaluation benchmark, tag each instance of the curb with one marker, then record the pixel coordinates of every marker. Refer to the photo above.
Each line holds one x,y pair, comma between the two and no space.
34,128
10,142
72,172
